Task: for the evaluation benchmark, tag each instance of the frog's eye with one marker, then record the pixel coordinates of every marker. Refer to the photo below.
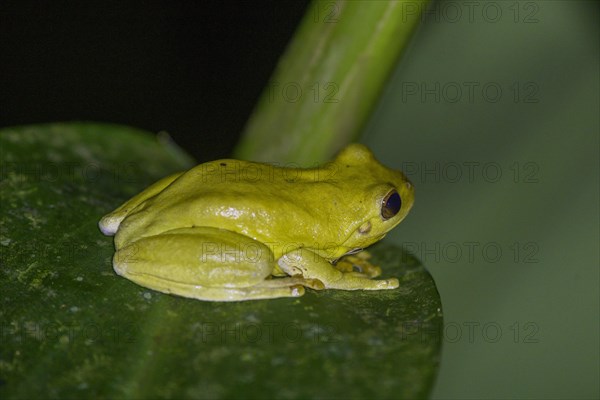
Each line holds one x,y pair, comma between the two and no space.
390,205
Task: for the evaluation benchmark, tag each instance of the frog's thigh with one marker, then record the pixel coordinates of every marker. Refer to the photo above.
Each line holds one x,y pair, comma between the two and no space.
203,263
308,264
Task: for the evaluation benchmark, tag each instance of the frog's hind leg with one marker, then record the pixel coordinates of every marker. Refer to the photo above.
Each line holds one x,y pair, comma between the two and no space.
207,264
293,281
267,289
225,294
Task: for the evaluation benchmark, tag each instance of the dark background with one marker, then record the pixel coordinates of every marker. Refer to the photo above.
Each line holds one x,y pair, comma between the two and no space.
194,69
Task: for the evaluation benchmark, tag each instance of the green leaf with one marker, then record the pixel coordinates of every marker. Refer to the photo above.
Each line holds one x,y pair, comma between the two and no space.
71,328
329,79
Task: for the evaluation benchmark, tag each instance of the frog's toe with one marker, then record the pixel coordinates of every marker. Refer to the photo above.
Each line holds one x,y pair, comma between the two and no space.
314,284
297,291
391,283
356,275
358,264
372,271
375,271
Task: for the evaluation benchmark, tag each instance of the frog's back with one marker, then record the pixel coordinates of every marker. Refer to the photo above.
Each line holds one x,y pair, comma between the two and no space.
258,200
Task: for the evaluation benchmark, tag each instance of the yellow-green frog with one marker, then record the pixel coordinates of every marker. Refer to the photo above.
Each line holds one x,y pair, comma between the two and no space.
231,230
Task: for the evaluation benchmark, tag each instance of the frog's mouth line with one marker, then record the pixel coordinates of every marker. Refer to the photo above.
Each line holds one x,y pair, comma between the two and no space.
354,249
349,252
359,236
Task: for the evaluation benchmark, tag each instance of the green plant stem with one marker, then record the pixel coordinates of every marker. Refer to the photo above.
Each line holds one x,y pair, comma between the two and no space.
329,79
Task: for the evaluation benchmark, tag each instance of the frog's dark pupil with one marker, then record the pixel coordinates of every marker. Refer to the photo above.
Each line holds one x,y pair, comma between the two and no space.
391,205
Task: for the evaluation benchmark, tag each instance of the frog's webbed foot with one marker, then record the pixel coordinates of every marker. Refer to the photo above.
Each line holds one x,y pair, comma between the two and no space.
359,264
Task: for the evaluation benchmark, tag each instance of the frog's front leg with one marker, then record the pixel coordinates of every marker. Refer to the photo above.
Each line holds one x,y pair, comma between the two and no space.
206,264
311,265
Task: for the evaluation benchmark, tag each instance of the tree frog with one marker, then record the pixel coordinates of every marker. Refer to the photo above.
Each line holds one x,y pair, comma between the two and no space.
231,230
